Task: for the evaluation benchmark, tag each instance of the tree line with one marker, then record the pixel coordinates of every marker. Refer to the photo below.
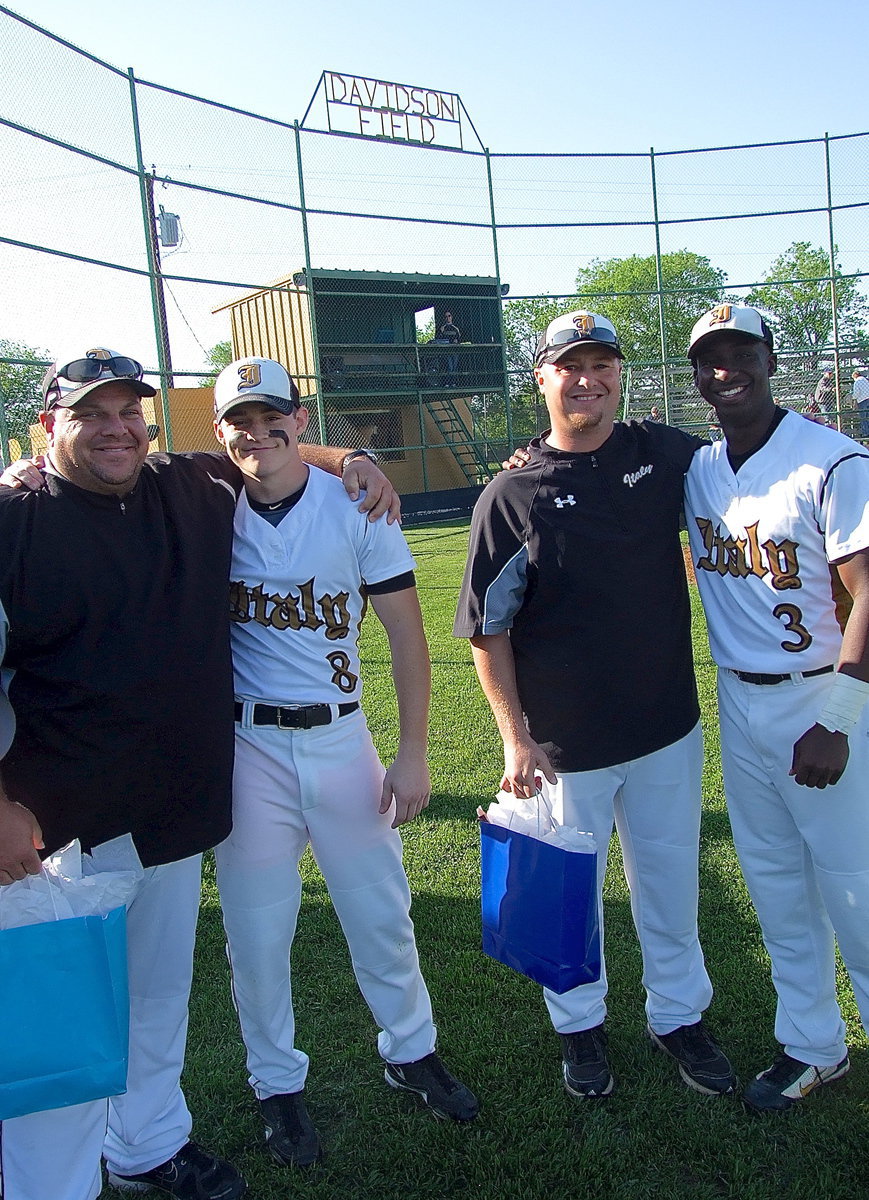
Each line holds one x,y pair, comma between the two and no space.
795,295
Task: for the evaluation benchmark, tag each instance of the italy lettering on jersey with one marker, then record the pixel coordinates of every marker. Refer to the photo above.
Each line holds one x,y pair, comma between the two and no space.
762,541
297,595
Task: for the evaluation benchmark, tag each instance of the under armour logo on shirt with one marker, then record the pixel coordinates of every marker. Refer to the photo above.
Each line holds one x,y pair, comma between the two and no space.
560,501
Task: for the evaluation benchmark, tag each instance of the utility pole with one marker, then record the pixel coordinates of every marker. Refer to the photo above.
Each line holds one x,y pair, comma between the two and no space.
159,297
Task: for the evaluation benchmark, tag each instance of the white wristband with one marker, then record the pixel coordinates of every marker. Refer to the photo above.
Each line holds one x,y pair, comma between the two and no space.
844,703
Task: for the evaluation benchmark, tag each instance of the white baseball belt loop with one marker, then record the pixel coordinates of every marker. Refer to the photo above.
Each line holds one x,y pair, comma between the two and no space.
247,707
844,703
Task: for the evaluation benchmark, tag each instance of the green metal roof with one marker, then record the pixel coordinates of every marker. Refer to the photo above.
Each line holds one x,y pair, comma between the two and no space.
390,276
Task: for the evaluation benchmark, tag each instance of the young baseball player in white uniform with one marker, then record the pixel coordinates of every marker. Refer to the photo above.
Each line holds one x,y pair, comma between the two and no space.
769,509
305,565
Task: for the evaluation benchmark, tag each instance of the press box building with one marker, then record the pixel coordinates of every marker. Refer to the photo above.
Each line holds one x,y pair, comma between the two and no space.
350,339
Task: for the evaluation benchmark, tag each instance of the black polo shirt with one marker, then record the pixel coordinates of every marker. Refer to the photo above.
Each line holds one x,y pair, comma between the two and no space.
119,640
578,557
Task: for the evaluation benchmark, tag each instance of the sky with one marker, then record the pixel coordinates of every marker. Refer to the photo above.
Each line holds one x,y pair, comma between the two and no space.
565,78
622,76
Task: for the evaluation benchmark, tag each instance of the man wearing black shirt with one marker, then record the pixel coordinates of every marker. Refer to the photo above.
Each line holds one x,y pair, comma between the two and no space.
576,604
113,621
449,333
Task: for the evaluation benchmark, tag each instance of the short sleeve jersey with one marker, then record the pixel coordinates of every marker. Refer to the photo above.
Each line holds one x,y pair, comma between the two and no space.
297,596
117,644
578,557
762,541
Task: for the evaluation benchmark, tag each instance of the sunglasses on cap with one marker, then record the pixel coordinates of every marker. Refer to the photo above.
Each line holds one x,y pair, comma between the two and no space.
565,336
88,370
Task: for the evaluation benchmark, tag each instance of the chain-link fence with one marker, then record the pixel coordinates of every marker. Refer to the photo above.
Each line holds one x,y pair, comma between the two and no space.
402,284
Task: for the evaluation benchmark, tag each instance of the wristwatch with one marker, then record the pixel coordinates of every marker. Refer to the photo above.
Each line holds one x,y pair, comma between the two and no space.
366,453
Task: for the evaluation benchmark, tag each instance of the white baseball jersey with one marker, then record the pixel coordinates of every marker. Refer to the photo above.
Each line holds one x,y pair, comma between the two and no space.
762,540
297,594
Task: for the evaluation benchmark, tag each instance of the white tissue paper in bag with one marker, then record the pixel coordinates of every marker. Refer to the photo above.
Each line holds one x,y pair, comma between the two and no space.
72,884
531,816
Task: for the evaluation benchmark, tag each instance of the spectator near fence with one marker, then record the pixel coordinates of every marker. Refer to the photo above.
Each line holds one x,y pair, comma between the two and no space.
825,394
860,396
450,334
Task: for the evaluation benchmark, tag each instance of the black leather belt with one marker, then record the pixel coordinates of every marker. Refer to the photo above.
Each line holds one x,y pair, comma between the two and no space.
751,677
295,716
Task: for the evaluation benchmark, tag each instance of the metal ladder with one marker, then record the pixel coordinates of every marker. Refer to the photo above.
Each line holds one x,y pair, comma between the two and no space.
459,438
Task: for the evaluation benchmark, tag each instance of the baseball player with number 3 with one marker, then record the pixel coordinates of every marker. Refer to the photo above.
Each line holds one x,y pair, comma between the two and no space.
305,565
769,509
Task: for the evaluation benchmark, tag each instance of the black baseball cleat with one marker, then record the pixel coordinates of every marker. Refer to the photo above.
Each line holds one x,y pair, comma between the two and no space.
441,1092
788,1080
191,1174
585,1065
291,1138
703,1065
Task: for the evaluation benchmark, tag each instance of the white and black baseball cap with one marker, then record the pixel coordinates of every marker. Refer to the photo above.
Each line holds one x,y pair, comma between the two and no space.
73,376
252,378
574,329
741,318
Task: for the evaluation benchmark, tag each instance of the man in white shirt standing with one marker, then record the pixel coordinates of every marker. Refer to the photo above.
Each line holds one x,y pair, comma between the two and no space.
305,565
770,509
860,396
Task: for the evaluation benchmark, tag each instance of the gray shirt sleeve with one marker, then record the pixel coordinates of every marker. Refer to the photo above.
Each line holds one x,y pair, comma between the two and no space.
7,717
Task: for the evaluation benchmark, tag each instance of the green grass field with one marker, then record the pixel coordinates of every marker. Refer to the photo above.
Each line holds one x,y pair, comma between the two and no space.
653,1138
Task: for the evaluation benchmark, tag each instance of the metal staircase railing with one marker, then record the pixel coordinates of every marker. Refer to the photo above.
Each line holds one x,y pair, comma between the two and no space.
460,439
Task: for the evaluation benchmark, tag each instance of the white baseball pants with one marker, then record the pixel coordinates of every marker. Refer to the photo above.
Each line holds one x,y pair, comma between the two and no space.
55,1155
804,853
320,786
655,804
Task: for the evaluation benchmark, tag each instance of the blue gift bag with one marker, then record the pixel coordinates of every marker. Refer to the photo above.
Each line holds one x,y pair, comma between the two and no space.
65,1008
539,905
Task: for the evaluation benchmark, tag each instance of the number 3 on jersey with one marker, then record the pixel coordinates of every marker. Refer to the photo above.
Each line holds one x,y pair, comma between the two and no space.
792,617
